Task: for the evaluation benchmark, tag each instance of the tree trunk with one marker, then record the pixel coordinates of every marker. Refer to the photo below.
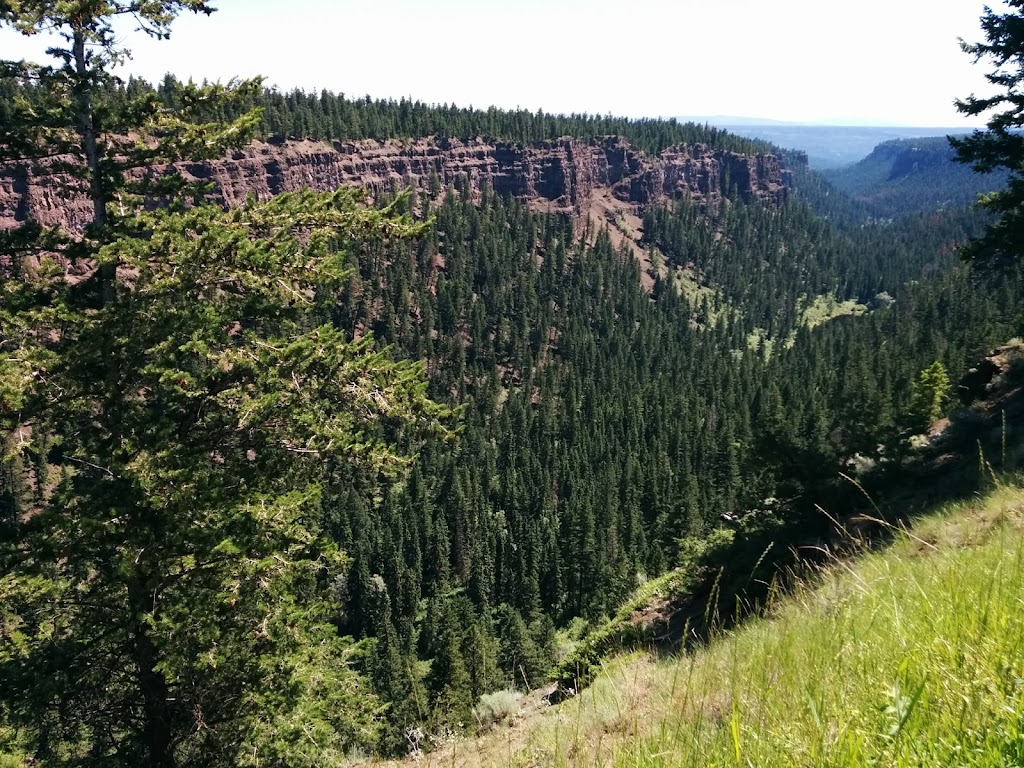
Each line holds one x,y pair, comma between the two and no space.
90,146
157,731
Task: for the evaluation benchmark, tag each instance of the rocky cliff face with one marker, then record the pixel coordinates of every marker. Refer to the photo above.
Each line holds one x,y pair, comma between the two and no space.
560,175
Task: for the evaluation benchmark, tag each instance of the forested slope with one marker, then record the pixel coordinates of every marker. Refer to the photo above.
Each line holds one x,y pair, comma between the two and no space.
603,426
913,175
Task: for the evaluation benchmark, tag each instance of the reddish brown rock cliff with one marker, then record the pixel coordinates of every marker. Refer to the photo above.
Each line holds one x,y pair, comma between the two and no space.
557,175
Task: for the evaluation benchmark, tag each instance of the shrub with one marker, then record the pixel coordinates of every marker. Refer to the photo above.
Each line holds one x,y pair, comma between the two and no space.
496,707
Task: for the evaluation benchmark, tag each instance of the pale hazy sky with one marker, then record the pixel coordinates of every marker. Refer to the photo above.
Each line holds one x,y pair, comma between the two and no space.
862,61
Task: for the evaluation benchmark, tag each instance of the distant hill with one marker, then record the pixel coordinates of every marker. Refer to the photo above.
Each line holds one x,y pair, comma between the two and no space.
733,120
912,175
828,146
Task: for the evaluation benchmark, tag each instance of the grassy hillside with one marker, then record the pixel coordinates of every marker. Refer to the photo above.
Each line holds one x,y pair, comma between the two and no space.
912,656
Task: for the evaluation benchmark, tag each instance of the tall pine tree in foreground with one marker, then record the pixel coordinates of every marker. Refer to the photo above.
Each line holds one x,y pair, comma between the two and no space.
1002,145
168,598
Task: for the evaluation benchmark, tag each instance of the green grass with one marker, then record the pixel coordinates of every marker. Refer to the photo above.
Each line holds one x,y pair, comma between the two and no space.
826,307
692,288
911,656
689,285
819,309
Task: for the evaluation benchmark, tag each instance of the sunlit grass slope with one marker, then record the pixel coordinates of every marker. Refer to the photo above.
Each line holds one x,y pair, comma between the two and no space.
911,656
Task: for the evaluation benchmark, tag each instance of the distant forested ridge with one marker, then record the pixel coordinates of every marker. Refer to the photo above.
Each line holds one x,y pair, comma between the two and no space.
913,175
331,116
832,147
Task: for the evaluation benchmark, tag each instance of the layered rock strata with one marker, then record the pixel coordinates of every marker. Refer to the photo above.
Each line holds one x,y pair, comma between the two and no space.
560,175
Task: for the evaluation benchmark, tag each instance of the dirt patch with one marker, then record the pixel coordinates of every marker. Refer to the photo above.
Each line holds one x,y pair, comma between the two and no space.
625,229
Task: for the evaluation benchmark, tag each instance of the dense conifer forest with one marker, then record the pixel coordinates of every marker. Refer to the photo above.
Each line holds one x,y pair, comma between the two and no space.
911,176
329,116
603,426
599,427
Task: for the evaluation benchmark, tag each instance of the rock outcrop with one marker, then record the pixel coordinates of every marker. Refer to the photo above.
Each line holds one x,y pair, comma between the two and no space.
559,175
992,374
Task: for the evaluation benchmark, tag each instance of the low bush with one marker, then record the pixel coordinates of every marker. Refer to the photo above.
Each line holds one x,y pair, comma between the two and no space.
497,707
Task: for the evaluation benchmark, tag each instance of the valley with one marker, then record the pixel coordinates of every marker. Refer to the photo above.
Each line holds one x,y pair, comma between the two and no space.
337,430
831,147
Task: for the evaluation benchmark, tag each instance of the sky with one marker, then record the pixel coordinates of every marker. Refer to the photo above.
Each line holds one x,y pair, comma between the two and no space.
870,62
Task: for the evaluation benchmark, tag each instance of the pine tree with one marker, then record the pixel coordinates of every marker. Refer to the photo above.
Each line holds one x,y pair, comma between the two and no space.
929,395
522,661
1002,145
171,599
449,680
180,560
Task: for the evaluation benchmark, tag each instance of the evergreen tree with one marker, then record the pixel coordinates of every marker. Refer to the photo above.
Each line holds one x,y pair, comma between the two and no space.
449,681
522,660
1002,145
930,393
171,599
177,571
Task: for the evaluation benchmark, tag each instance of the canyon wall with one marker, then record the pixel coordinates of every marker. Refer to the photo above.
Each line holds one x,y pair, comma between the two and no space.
560,175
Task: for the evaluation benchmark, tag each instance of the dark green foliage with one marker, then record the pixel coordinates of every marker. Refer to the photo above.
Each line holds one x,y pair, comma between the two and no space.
523,660
449,681
192,583
602,426
1002,145
14,491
